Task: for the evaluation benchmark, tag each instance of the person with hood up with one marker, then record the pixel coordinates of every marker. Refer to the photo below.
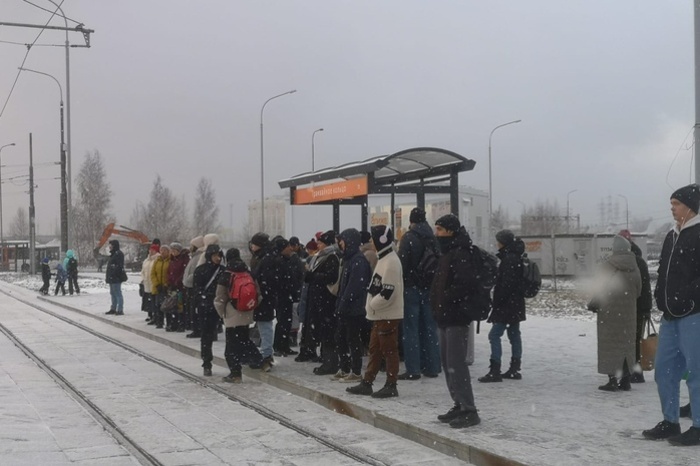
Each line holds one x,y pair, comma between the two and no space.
454,284
368,249
266,273
307,344
320,317
421,349
291,277
205,283
45,276
350,306
619,284
677,295
61,277
146,269
70,263
191,318
508,307
239,346
644,305
176,272
384,309
115,276
159,282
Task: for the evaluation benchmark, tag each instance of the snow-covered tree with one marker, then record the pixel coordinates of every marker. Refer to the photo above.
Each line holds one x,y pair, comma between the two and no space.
206,212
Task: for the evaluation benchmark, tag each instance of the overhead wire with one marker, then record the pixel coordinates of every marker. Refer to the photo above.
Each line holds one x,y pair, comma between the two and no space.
26,55
676,156
49,11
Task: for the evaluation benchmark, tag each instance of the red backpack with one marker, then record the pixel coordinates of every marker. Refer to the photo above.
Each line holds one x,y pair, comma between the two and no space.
243,291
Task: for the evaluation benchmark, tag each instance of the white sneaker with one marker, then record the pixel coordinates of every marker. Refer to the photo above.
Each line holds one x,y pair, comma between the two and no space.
340,375
351,378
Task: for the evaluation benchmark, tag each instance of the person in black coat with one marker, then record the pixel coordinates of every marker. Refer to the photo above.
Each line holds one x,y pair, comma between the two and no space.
290,271
350,306
454,284
205,282
267,274
45,276
508,307
115,276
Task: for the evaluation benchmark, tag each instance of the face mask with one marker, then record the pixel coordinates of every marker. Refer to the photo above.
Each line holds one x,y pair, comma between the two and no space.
444,242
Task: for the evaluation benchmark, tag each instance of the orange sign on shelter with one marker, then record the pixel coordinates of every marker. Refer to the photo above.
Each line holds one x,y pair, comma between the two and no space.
331,191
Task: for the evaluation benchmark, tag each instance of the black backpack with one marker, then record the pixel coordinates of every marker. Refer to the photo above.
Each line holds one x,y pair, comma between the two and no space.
427,266
532,280
478,306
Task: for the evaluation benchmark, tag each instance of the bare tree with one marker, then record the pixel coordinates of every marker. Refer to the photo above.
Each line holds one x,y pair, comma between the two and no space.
164,215
543,219
500,219
91,212
19,227
206,212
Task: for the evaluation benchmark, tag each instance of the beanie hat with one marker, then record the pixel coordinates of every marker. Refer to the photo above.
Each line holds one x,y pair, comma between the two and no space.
449,222
365,237
164,248
311,245
328,238
382,236
294,241
260,239
232,255
154,247
620,244
688,195
280,243
318,235
156,241
417,215
505,237
175,246
197,242
45,260
626,234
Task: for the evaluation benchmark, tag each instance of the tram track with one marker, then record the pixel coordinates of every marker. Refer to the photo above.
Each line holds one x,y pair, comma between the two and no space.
133,447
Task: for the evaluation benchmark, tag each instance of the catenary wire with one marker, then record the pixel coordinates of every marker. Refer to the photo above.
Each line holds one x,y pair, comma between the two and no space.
49,11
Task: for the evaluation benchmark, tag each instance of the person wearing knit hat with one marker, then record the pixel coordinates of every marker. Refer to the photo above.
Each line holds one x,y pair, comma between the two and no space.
449,222
148,300
327,238
311,247
508,308
620,284
678,297
384,308
175,246
297,247
191,321
205,285
421,350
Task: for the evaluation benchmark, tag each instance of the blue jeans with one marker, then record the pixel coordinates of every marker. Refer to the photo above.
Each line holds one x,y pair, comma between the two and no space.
678,351
115,291
421,348
267,337
516,343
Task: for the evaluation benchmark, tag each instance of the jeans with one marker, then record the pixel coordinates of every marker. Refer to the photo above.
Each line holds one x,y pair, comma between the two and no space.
115,291
453,353
678,351
516,343
421,348
267,336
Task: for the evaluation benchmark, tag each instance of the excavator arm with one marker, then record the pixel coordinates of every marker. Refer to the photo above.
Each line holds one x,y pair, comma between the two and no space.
126,232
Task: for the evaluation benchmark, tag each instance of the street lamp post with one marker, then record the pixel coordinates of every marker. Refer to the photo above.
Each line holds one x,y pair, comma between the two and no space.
313,157
262,160
490,179
2,238
64,190
567,209
627,211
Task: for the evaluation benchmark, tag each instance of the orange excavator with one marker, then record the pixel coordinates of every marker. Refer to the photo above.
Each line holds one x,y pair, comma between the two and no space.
143,244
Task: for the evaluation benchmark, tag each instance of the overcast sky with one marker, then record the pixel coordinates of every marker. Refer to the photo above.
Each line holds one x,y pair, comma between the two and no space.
604,89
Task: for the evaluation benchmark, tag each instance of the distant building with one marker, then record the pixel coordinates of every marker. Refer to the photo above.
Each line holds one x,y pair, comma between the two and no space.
275,216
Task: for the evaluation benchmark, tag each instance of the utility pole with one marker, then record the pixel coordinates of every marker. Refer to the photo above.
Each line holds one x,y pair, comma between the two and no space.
32,223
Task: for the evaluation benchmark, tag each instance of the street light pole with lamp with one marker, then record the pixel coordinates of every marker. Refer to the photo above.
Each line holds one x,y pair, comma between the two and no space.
627,211
490,179
262,159
568,214
64,190
2,238
313,156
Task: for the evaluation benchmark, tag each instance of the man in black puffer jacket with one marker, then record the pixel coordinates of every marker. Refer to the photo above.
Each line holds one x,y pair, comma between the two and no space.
205,281
508,307
454,286
267,274
678,296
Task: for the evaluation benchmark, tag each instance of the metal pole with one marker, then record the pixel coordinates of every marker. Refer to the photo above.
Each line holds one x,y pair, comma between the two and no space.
32,224
2,238
313,156
490,178
627,211
262,160
567,209
697,91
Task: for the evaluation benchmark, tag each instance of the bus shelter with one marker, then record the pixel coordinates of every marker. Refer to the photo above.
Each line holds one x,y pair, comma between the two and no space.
419,171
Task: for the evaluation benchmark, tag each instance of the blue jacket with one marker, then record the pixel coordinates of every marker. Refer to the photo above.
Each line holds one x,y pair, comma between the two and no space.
355,277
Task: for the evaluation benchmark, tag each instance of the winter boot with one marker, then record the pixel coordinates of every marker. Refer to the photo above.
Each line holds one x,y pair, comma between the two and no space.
363,388
611,386
494,374
513,371
689,438
465,419
625,383
453,413
233,377
662,430
637,377
388,391
685,411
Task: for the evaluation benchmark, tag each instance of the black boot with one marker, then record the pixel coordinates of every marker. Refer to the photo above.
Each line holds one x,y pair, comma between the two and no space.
625,383
611,386
685,411
513,371
388,391
363,388
494,374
